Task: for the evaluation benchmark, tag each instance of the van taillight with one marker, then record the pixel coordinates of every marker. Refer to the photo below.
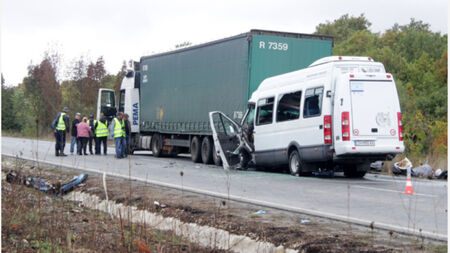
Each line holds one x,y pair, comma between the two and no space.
400,126
327,129
345,121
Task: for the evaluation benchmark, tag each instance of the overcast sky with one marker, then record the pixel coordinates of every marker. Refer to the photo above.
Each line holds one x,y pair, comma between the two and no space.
124,30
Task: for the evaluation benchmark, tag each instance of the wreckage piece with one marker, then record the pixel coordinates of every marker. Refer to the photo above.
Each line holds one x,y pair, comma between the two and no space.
400,168
423,171
76,180
41,185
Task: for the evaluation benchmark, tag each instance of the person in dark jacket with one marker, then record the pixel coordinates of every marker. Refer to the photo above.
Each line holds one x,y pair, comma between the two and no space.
101,134
74,138
60,127
91,122
127,134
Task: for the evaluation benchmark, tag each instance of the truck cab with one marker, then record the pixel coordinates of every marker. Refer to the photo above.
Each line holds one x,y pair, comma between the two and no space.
339,113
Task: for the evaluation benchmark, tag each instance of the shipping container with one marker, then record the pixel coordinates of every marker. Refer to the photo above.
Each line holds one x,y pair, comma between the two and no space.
179,88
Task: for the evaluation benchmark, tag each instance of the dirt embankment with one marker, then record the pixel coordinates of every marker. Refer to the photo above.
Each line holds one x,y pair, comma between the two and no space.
301,232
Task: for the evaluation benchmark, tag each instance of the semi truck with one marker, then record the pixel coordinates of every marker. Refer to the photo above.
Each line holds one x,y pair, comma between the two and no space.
168,96
340,113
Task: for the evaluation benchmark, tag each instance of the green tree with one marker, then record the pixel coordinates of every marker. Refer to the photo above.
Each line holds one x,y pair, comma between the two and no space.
10,120
343,27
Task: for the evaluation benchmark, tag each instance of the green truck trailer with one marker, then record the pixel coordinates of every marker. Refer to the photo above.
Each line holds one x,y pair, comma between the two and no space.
170,95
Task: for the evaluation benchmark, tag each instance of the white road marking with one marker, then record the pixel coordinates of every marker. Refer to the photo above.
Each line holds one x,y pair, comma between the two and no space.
387,190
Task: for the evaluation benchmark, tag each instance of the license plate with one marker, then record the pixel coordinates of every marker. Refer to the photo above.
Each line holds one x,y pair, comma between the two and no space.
365,143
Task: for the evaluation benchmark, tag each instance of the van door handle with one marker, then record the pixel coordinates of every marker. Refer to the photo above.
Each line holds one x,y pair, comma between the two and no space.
320,126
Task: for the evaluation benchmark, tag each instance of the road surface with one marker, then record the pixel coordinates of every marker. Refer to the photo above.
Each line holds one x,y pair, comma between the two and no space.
375,198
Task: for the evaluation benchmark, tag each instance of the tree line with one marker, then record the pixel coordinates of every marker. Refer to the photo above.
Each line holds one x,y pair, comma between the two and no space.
415,55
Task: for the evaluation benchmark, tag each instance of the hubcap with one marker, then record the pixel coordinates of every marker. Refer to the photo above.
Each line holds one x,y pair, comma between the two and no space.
294,164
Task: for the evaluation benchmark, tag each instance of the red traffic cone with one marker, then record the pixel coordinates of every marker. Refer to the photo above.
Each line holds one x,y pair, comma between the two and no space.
409,188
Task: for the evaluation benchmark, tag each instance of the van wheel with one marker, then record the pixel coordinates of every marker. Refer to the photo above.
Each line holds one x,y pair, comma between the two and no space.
207,151
351,171
156,145
196,150
216,158
295,164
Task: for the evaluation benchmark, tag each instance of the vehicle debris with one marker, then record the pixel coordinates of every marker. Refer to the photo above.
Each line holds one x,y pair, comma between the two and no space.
58,189
441,174
260,212
423,171
400,168
377,166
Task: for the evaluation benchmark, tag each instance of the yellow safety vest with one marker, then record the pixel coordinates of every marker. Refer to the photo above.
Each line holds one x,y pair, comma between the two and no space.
102,129
118,132
123,129
61,124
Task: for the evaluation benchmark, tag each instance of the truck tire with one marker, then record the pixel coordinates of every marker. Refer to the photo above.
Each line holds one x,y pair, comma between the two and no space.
295,163
207,150
196,150
156,145
216,159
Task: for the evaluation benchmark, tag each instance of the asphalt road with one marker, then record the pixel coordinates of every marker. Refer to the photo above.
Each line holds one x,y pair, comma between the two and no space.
375,198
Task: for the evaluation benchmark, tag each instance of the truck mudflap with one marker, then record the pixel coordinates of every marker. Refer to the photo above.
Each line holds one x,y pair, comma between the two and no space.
229,141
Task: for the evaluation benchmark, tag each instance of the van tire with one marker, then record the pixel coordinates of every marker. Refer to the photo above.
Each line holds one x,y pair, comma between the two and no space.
295,164
156,145
351,171
196,150
207,151
216,158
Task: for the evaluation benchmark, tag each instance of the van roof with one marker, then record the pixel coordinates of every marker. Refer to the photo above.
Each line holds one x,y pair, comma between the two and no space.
341,58
286,79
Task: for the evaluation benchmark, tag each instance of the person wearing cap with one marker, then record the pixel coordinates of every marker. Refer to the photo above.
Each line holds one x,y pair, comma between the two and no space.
127,134
91,122
60,128
74,139
101,134
118,133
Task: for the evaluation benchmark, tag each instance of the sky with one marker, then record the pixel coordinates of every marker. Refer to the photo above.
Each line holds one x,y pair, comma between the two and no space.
124,30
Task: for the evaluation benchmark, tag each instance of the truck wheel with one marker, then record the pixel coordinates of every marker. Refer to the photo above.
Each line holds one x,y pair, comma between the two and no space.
196,150
207,150
156,145
352,171
295,164
216,159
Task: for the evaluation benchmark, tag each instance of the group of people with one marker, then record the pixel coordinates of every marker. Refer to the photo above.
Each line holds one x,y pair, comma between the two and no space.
86,131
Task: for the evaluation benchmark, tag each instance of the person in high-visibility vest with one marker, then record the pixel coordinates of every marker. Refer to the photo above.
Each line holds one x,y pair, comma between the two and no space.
60,127
91,122
101,134
118,133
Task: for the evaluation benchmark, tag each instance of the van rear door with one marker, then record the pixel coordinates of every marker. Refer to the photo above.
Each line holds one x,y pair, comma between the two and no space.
374,106
367,118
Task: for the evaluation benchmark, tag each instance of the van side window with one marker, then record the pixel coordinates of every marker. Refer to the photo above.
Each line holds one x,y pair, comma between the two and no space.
265,111
289,106
313,102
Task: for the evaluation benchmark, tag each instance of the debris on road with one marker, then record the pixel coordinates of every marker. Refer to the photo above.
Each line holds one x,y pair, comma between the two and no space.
260,212
441,174
423,171
377,166
14,177
324,173
400,168
304,221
